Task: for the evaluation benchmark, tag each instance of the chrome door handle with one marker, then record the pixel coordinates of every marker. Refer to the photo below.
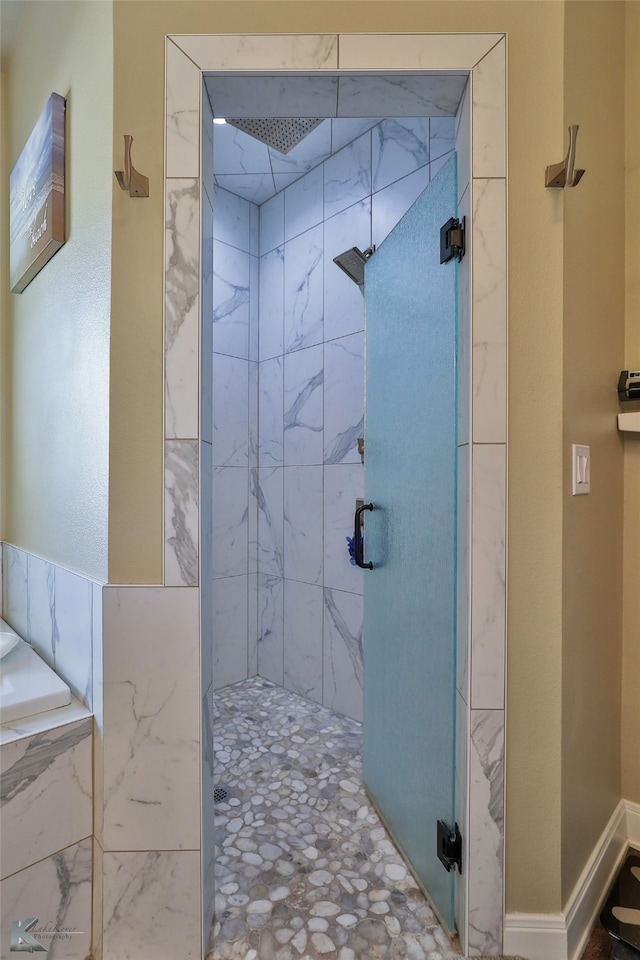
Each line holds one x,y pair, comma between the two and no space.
358,541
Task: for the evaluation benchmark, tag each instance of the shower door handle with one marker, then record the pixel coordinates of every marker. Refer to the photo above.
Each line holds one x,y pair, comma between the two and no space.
358,540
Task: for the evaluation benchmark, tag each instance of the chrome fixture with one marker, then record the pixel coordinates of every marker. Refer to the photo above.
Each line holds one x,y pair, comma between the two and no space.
283,135
129,178
560,175
352,263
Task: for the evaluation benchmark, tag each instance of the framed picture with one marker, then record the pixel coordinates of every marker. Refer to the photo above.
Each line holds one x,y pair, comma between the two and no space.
36,197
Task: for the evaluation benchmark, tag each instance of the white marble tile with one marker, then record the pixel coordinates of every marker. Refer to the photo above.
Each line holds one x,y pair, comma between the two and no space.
347,176
407,96
272,224
442,136
436,165
252,529
303,204
279,96
486,830
303,523
254,230
208,825
230,411
41,607
229,630
97,899
346,129
303,608
231,219
183,114
271,628
463,140
463,364
138,889
342,661
58,892
206,335
343,398
252,624
14,588
271,429
283,180
272,304
274,52
181,512
254,305
230,521
252,187
231,300
463,598
343,484
45,793
306,155
98,713
303,290
72,652
236,152
489,359
270,497
344,299
488,576
206,139
398,147
462,816
43,722
152,723
303,399
182,316
431,51
390,205
489,114
206,512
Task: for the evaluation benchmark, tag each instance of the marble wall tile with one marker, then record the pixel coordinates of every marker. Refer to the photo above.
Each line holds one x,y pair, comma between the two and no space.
490,312
486,831
45,793
206,571
271,521
206,334
230,521
97,898
98,713
236,151
231,219
272,304
303,603
229,630
14,588
183,83
253,187
462,813
264,96
303,405
436,165
442,136
303,289
231,302
182,306
138,890
230,411
41,607
463,618
254,304
303,523
488,576
252,625
254,231
398,147
344,299
272,224
284,180
271,413
463,365
342,653
347,176
253,468
257,52
346,129
271,628
208,826
72,626
343,484
181,512
463,140
151,719
306,155
489,114
206,139
57,891
408,96
343,398
390,51
303,204
388,206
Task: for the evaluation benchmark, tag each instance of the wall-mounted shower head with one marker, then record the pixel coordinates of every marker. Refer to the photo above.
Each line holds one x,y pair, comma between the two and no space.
352,263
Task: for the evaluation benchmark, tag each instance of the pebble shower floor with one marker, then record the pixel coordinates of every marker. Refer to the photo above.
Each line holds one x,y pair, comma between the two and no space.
305,870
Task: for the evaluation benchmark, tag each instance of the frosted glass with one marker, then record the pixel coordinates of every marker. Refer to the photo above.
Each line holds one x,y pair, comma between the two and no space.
410,477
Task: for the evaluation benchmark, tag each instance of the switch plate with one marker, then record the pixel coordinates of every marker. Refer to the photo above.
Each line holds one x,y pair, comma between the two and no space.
581,469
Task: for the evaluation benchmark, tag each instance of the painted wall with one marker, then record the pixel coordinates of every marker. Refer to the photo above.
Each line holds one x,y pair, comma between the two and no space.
56,333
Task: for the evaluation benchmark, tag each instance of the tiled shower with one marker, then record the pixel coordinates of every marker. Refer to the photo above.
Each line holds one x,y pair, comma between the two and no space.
288,392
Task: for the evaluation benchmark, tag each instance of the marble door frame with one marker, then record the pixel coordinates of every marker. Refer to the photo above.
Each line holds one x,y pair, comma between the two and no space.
483,394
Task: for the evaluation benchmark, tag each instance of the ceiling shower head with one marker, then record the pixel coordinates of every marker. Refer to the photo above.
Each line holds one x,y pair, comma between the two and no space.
352,263
281,134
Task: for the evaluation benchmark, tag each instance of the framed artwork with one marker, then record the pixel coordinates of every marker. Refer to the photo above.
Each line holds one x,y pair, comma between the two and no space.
36,197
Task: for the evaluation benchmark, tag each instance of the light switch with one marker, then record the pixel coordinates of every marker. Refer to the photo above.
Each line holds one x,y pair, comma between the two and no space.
581,471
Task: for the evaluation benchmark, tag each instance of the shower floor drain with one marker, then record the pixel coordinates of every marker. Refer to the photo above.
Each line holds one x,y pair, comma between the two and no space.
220,794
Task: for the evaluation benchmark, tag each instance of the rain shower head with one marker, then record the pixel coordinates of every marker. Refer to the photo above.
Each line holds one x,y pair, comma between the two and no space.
352,263
281,134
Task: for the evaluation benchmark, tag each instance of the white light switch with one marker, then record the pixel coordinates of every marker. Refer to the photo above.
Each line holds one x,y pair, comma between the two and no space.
581,472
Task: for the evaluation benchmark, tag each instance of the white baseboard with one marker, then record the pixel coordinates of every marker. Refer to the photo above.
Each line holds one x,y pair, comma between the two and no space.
562,936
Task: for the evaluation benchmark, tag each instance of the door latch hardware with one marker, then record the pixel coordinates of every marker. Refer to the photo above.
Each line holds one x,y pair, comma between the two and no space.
449,846
452,240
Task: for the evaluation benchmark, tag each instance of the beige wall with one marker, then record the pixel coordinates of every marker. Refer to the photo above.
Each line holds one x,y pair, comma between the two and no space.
631,673
56,346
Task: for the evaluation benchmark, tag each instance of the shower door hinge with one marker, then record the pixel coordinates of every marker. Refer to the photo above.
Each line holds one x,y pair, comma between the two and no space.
452,240
449,846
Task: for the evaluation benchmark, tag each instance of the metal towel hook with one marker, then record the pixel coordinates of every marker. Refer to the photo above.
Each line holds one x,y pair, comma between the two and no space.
564,174
129,178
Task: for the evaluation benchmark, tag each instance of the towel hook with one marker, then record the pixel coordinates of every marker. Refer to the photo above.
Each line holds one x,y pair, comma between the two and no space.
131,179
564,174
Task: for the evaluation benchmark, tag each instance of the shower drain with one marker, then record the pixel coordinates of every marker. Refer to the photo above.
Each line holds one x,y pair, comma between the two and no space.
220,794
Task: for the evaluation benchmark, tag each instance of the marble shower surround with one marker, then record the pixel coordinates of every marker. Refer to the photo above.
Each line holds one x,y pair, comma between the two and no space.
482,428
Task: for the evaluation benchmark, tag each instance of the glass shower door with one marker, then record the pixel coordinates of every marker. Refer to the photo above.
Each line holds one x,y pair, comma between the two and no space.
410,477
